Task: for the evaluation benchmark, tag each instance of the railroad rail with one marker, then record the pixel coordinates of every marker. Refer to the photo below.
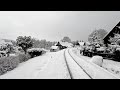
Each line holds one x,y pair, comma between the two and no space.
80,68
75,71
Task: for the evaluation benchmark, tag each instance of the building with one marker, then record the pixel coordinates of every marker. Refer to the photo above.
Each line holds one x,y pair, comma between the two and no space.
64,44
111,34
61,45
81,43
54,48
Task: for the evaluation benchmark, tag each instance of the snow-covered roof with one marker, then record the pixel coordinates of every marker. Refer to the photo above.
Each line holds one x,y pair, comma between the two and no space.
54,47
66,44
101,48
81,43
38,49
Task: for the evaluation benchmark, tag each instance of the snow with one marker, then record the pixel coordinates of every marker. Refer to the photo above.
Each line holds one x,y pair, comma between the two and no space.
56,68
101,49
81,43
110,65
76,71
52,65
66,44
97,60
54,47
49,66
92,69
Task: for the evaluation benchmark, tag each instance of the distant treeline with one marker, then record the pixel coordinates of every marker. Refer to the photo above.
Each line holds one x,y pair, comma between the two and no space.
42,43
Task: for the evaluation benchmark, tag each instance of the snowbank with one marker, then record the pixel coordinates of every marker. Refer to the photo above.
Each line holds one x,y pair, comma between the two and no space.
97,60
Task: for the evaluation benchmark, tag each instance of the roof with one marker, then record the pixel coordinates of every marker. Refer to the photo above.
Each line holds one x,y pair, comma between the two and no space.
116,30
38,49
66,44
54,47
81,43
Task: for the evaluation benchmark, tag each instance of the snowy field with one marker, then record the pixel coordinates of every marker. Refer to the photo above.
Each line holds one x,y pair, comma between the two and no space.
49,66
111,66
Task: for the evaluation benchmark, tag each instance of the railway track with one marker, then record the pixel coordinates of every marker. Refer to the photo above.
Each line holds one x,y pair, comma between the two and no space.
81,69
75,71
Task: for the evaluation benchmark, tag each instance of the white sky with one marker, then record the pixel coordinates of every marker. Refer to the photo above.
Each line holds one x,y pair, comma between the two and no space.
54,25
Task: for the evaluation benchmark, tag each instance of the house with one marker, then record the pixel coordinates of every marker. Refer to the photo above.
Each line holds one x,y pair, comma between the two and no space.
63,45
54,48
111,34
81,43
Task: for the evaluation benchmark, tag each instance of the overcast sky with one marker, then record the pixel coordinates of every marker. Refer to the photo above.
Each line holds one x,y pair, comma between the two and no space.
54,25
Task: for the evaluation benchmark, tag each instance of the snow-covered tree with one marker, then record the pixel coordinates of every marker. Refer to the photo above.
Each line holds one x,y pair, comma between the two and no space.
24,42
97,35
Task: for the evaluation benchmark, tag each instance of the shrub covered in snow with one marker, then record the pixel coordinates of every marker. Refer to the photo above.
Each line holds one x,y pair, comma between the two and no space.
36,52
23,57
97,60
8,64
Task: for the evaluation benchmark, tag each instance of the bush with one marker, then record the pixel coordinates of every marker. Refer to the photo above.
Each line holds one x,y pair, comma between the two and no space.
8,64
11,62
36,52
24,57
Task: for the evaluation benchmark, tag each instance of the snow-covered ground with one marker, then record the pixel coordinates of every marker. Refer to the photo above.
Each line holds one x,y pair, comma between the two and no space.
75,70
49,66
52,65
110,65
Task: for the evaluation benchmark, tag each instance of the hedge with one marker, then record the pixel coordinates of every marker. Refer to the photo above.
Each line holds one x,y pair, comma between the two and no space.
8,64
35,52
24,57
11,62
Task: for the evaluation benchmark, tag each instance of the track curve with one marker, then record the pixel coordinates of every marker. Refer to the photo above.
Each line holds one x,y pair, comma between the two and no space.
81,69
75,71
